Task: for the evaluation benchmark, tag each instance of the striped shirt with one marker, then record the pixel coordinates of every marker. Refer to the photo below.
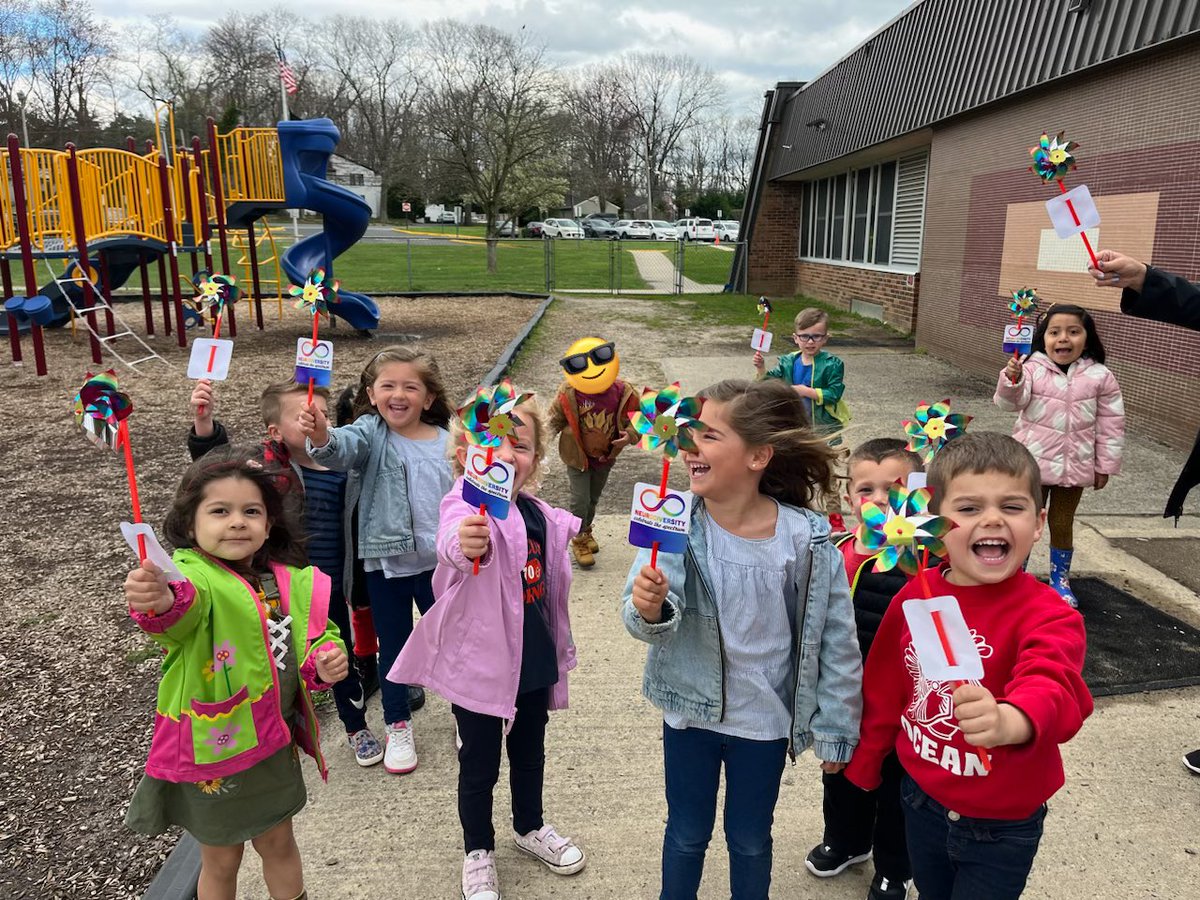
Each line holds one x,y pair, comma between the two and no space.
754,581
324,507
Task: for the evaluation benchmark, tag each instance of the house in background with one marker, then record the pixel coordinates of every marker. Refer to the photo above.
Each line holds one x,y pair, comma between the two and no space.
585,208
896,184
358,179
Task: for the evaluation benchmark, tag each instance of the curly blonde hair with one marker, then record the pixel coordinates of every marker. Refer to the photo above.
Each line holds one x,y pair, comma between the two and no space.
530,412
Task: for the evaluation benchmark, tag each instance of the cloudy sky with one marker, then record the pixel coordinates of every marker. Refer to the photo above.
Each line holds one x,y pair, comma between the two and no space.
751,44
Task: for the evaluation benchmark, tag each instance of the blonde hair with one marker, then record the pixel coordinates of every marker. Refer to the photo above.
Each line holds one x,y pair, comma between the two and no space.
530,413
807,318
439,412
271,402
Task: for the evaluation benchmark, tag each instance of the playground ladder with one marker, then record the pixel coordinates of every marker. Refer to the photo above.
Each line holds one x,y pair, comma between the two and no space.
239,241
99,304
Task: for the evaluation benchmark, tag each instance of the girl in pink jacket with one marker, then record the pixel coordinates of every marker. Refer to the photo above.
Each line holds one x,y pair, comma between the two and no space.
498,646
1071,417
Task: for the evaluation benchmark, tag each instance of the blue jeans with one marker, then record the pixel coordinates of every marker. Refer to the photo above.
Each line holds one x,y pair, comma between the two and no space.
692,758
392,609
959,858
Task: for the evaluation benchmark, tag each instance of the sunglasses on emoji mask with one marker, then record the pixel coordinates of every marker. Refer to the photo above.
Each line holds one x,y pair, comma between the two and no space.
577,363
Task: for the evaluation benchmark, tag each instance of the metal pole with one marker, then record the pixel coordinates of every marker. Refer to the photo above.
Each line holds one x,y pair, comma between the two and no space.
31,285
21,98
410,280
146,304
219,195
89,299
253,253
110,326
162,292
173,262
205,233
14,332
649,176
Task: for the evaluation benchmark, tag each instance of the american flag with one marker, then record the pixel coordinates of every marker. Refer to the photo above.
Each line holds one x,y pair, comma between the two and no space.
286,75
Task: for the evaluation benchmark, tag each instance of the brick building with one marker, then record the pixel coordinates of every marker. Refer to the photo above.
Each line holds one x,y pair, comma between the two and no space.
896,183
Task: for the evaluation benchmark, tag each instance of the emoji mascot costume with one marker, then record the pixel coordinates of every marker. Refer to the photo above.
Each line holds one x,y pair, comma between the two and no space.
592,413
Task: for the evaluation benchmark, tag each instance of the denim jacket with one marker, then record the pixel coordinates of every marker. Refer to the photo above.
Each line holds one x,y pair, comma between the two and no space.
685,668
384,517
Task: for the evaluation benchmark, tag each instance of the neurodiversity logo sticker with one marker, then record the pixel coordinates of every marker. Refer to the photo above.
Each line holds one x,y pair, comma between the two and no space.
314,362
663,519
488,484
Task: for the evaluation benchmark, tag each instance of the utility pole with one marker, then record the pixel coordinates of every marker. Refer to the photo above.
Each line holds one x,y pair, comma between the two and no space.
649,171
24,128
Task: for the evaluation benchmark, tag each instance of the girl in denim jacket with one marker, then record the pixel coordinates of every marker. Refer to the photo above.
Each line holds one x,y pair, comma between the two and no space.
398,442
753,652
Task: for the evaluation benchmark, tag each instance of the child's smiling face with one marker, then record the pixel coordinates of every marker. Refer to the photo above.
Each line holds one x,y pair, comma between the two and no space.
997,522
1066,337
400,395
231,520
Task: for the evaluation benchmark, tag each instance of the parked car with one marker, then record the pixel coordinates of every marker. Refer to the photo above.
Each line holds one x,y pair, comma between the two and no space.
447,216
727,229
635,229
506,229
663,231
533,229
561,228
595,227
695,229
610,218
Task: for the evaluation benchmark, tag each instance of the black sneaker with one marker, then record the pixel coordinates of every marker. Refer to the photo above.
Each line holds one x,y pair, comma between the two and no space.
416,697
1192,761
825,862
887,888
368,673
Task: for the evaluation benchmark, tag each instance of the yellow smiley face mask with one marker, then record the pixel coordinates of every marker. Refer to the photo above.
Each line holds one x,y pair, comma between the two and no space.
591,365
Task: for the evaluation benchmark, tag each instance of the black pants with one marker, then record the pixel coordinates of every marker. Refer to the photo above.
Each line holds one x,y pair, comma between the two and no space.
479,768
857,821
347,693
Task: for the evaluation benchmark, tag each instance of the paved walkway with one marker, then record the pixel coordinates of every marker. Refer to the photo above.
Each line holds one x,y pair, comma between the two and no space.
1123,827
658,271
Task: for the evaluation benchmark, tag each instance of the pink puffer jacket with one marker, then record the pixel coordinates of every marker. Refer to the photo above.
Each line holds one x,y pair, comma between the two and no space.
1072,422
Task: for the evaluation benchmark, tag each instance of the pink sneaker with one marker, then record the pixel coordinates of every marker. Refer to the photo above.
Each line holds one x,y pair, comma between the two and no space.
479,878
559,853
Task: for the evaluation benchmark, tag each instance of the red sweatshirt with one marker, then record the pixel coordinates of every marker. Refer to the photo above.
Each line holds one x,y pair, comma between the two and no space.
1032,644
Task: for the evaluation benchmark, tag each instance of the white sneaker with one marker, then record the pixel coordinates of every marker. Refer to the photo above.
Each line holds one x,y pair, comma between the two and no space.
479,878
559,853
400,758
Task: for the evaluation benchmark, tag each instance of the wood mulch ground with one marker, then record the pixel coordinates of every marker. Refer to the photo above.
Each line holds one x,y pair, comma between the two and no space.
77,679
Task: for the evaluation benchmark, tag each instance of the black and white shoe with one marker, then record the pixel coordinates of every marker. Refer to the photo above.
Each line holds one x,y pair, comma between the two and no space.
883,888
825,862
1192,761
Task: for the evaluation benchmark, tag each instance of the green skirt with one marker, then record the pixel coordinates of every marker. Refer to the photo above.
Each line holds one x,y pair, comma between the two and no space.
234,809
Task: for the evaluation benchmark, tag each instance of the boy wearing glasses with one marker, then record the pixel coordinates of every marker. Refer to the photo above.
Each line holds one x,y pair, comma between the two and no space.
591,416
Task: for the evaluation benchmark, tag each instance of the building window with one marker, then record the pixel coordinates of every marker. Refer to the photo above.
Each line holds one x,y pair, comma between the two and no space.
873,215
356,179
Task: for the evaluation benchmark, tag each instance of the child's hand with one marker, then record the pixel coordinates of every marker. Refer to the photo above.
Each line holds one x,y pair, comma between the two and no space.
620,443
759,362
147,591
1101,481
474,536
832,768
649,592
1014,368
202,408
314,425
986,723
332,665
805,391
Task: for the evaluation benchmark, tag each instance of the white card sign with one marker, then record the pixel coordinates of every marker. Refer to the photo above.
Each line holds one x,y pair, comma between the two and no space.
488,484
154,550
1085,216
660,520
761,340
210,359
917,480
945,647
1017,338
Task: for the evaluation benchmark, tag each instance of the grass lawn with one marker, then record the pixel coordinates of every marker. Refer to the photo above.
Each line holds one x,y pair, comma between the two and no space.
702,262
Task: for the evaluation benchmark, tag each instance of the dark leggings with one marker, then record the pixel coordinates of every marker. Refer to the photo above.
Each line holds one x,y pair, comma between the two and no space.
1061,503
392,602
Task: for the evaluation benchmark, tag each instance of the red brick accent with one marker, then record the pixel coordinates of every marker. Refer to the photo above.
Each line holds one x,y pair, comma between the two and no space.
774,248
840,285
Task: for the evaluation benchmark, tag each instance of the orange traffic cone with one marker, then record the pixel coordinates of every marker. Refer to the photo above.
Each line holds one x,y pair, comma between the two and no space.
717,239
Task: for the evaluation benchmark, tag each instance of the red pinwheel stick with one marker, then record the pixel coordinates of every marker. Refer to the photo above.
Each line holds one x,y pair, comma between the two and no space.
1083,234
131,475
482,506
316,323
766,319
662,492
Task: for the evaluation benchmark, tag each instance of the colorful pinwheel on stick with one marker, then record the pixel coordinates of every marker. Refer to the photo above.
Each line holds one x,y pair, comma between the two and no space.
665,420
1024,304
214,291
932,427
315,297
1053,158
765,309
102,414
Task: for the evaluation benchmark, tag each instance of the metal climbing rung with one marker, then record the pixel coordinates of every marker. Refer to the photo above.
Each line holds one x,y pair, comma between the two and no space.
113,337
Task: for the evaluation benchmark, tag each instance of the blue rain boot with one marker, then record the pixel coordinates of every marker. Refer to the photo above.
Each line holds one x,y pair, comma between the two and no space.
1060,568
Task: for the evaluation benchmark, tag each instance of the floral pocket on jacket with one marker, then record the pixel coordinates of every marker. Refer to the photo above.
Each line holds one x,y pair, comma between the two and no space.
223,729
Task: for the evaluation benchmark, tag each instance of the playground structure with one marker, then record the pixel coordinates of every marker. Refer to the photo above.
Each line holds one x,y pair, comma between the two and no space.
94,217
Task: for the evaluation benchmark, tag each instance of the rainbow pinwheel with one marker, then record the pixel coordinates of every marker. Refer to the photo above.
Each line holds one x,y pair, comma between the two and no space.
317,294
215,290
933,427
100,407
1053,157
897,533
665,421
1024,302
764,306
489,418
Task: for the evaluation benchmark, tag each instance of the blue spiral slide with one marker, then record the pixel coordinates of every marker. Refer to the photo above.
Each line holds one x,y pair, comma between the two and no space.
305,146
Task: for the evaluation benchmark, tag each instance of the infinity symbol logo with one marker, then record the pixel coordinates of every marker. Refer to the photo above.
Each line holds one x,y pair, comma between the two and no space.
320,350
655,503
489,471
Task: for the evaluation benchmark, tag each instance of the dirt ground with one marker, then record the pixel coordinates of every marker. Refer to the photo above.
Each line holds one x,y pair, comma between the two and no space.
77,691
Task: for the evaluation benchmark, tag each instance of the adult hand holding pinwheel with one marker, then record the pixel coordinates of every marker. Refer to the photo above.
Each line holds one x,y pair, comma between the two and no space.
1053,158
315,297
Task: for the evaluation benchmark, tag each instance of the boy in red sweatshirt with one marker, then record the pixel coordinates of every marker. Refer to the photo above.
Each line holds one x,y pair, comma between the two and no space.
973,832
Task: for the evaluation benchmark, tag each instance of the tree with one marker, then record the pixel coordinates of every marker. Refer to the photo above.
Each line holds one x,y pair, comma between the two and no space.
489,109
601,134
67,47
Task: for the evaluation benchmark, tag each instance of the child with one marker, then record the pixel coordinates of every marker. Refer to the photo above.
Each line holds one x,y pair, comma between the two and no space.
753,655
247,637
398,443
1070,417
858,822
974,832
498,646
327,499
591,414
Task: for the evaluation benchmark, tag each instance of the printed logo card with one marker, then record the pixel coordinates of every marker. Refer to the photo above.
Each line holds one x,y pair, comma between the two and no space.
945,647
1067,223
488,484
1018,338
314,362
662,519
761,340
154,550
210,359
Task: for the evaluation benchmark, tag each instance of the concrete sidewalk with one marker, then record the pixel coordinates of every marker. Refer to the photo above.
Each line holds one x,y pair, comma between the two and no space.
1123,827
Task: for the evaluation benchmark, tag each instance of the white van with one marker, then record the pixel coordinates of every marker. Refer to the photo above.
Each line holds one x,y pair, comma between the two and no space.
695,230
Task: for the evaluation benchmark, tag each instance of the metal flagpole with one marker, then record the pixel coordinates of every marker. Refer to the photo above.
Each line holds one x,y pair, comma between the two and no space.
295,213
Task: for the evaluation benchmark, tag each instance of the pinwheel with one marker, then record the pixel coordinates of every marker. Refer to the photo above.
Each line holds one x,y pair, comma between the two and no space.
315,297
765,309
1024,303
897,533
215,290
1053,158
933,427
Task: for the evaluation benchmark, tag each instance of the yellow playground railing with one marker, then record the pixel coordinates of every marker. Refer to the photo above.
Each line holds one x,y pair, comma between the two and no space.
251,165
48,204
121,194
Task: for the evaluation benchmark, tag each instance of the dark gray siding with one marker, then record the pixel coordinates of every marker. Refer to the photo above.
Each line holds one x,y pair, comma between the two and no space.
945,57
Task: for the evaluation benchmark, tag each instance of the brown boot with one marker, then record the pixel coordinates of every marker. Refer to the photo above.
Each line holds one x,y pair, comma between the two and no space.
592,545
583,553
